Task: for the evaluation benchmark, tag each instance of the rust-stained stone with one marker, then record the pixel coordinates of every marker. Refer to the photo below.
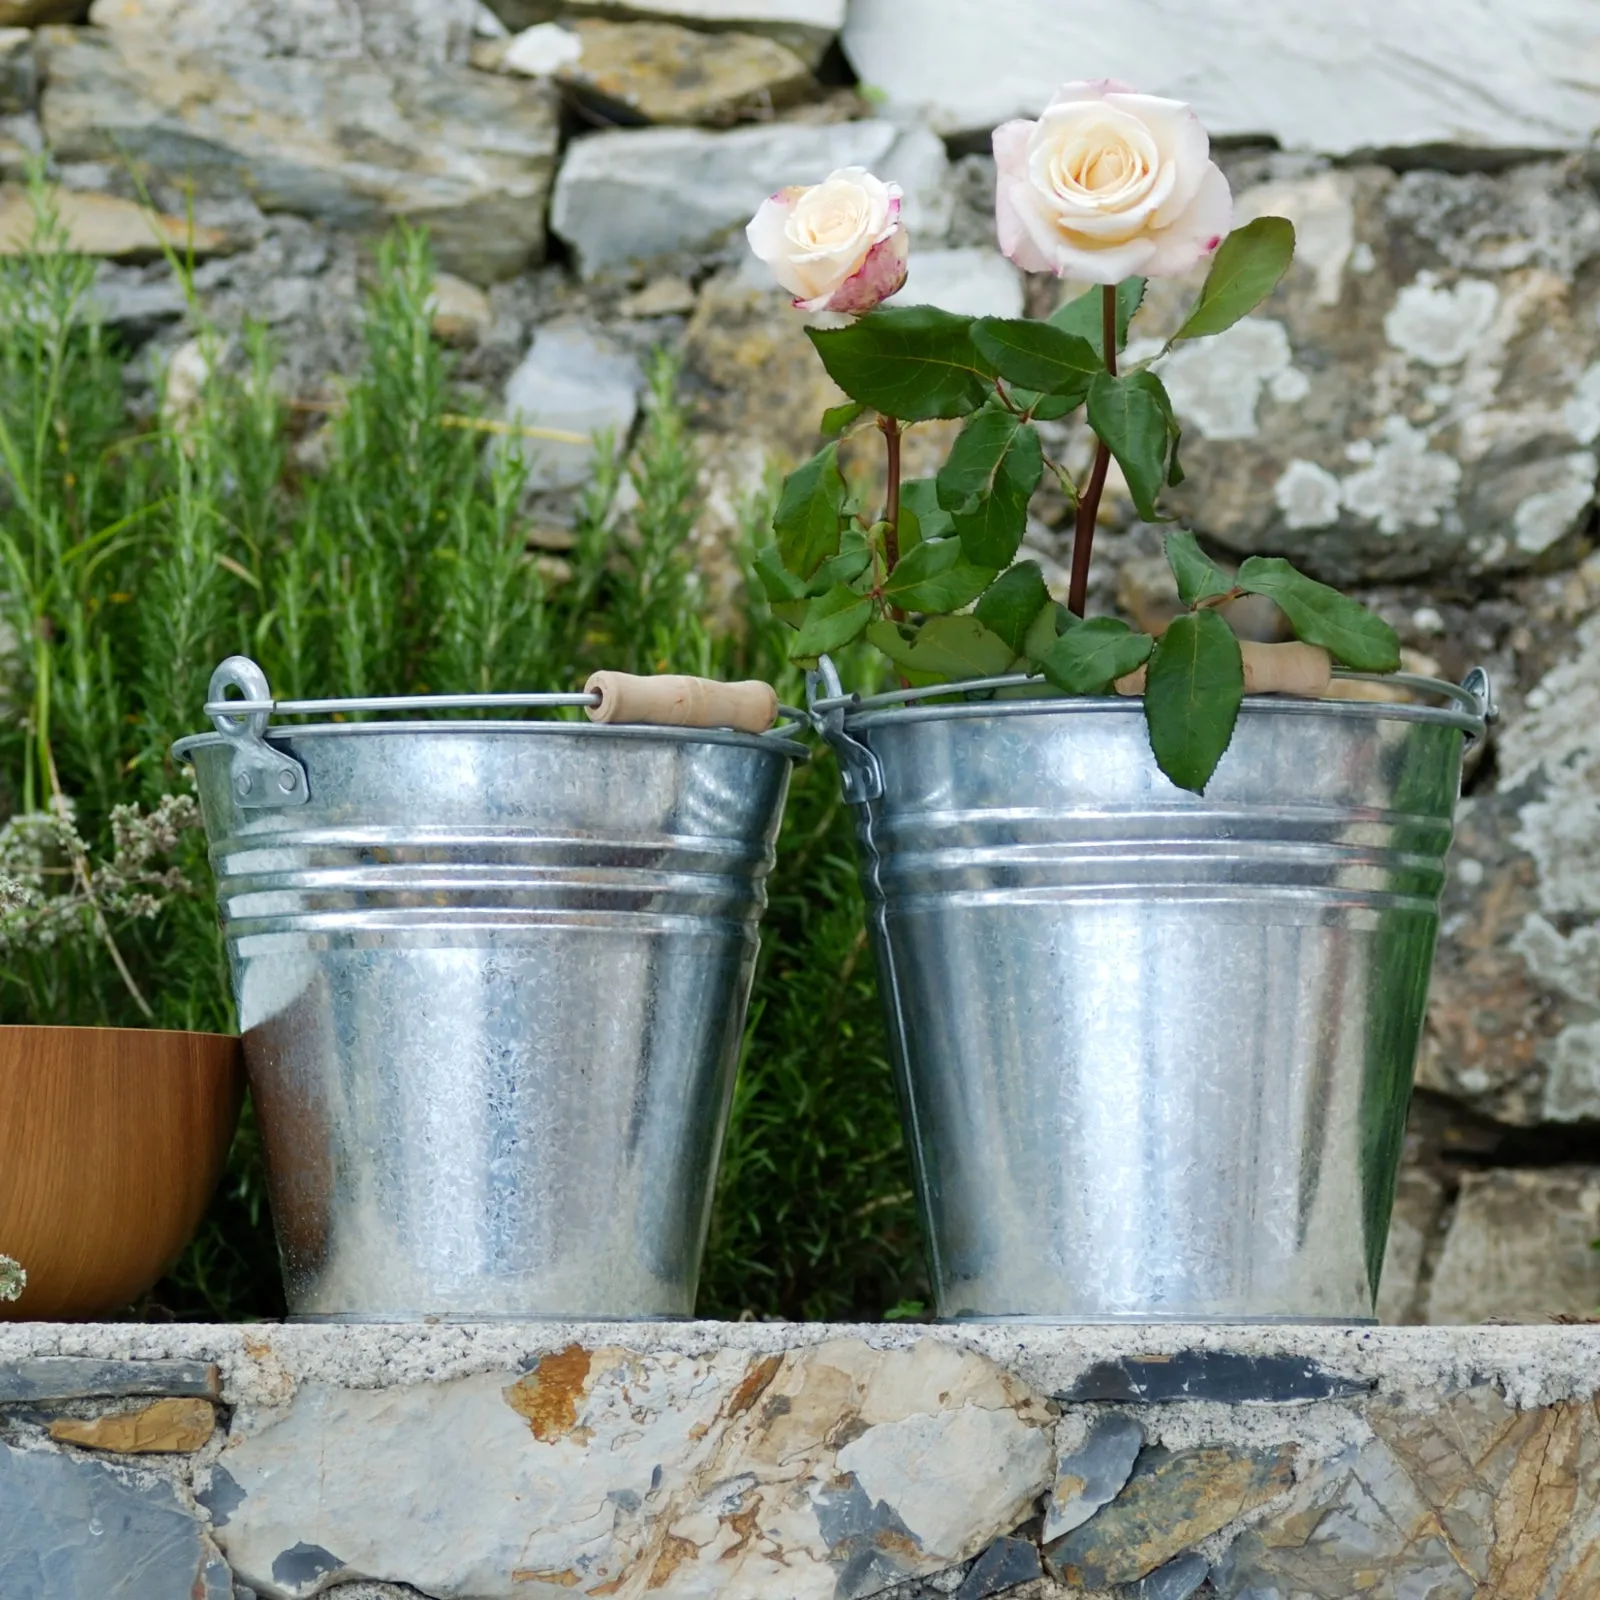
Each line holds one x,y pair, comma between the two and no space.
548,1396
1475,1501
168,1427
1173,1501
826,1473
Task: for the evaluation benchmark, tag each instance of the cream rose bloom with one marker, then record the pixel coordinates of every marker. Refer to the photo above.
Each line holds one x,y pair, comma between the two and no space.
1107,185
837,246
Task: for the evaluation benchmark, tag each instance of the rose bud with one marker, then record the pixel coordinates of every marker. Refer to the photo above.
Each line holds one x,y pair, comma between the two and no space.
837,246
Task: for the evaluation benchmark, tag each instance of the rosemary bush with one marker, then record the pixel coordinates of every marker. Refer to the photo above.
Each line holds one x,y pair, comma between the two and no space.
137,554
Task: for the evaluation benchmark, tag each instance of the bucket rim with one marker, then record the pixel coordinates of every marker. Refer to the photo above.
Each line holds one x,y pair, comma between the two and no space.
767,743
1469,706
1110,705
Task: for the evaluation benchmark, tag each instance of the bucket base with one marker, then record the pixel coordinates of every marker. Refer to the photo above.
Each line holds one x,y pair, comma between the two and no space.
1158,1319
430,1319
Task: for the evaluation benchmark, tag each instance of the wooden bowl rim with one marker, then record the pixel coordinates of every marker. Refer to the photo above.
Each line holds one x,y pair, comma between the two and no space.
136,1033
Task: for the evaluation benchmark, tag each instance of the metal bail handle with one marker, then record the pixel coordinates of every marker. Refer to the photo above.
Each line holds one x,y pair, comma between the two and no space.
859,772
263,778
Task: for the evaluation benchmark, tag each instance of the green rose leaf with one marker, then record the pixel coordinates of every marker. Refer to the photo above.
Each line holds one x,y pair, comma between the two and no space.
920,496
837,418
992,529
1352,635
785,593
944,647
854,557
910,531
810,515
1191,697
1133,418
1085,316
1199,577
910,362
1046,628
776,579
976,458
831,622
1089,658
1045,407
1010,608
936,576
1037,356
1245,270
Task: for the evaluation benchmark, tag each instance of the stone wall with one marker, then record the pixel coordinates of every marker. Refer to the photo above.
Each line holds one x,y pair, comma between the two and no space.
785,1462
1414,414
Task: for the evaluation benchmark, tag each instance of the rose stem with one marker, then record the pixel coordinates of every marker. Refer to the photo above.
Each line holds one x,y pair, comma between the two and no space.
891,510
1089,503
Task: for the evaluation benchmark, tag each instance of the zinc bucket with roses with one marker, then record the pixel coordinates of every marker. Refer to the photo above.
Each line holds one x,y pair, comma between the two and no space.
1154,918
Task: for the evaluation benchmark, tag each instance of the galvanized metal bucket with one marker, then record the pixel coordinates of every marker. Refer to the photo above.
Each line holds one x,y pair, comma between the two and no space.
492,979
1154,1049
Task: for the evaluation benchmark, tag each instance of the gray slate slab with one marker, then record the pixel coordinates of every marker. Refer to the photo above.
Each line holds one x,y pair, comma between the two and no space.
84,1378
94,1532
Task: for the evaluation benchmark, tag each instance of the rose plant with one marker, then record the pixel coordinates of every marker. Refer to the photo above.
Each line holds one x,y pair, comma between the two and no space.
1108,186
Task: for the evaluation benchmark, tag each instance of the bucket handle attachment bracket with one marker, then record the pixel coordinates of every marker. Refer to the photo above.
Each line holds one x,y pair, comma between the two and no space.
261,777
859,772
1479,687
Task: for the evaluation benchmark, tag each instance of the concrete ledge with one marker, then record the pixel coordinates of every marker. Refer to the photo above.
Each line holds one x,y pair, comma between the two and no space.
780,1460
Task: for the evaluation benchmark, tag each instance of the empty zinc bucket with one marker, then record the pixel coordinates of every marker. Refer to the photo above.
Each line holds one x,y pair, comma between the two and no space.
492,980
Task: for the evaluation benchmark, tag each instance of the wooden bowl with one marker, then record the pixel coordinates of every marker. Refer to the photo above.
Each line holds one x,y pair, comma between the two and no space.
111,1143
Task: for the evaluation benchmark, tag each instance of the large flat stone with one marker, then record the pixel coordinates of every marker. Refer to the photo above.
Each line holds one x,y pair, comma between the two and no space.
1174,1500
103,225
19,76
1090,1475
31,13
410,30
1473,1499
830,1472
1516,986
1420,396
351,143
572,382
659,72
806,26
626,198
1006,1565
969,282
1310,76
1520,1248
76,1529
